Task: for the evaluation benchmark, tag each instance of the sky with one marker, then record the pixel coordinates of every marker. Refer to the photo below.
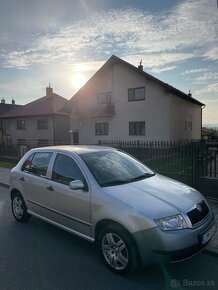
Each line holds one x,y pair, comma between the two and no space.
64,42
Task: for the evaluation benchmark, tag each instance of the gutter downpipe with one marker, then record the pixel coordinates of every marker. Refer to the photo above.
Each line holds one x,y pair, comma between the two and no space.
201,119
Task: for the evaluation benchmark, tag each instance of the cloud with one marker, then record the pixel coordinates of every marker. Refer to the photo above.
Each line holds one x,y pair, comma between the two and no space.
160,70
210,101
211,88
17,59
206,77
158,60
15,88
128,32
212,54
194,71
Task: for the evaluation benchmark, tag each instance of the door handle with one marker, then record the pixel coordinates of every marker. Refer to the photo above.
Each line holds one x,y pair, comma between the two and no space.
50,188
22,178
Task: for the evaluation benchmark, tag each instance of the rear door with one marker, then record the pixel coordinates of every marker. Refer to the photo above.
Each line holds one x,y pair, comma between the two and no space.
34,181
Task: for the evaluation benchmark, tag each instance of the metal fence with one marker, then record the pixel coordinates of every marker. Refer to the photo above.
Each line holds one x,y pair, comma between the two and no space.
15,150
192,162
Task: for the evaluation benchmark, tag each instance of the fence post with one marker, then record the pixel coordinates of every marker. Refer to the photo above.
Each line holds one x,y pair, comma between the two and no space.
194,153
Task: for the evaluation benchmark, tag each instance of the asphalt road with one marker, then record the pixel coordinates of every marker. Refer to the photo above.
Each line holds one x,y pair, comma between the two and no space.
37,255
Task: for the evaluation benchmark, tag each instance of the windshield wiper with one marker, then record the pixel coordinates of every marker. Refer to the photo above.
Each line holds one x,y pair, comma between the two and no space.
124,181
114,182
143,176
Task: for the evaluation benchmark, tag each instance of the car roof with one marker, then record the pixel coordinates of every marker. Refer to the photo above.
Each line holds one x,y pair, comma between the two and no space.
78,149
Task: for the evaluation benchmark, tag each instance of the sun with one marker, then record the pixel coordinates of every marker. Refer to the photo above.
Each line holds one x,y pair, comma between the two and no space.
78,80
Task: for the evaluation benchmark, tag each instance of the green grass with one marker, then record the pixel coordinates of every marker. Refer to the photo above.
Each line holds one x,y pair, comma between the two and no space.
6,164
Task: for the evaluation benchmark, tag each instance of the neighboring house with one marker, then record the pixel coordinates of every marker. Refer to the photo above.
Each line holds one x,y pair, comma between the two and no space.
209,134
122,102
38,123
4,108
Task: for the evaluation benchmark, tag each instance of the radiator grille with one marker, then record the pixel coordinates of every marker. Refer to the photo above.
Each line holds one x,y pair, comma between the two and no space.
199,213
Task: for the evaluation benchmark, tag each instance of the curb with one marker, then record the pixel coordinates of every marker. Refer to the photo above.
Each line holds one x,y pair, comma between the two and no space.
210,253
4,184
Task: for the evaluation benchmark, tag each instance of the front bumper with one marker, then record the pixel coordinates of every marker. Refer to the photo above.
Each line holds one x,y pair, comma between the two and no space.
156,245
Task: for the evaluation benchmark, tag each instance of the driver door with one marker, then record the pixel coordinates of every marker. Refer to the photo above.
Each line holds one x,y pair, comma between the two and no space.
70,208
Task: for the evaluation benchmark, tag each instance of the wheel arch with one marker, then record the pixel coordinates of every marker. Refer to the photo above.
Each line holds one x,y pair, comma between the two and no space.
13,191
104,223
107,222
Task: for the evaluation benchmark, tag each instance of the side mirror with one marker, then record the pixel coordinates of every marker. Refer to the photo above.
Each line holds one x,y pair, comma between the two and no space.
76,184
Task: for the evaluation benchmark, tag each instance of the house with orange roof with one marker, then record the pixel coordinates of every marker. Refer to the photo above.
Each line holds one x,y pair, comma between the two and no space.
39,123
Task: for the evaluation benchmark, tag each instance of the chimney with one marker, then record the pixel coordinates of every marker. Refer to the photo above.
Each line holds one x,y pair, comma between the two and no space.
189,93
49,91
13,102
2,101
140,66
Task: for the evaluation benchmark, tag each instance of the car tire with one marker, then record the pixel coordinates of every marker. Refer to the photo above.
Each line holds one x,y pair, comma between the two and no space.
118,249
19,208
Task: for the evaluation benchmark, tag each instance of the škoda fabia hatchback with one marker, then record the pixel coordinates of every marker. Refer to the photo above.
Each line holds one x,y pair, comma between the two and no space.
103,195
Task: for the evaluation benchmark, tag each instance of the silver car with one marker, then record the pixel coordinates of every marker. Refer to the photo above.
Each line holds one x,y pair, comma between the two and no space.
103,195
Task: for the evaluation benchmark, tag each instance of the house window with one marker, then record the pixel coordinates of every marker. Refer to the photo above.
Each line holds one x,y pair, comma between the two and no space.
137,128
101,129
104,98
42,124
136,94
21,124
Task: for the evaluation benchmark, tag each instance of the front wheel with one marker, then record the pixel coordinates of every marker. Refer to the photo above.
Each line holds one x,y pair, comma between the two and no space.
118,249
19,208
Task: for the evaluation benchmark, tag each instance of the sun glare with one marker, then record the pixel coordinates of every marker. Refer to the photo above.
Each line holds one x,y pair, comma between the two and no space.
81,67
78,80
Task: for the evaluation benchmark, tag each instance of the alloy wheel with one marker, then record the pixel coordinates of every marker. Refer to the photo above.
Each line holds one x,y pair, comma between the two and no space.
115,251
18,207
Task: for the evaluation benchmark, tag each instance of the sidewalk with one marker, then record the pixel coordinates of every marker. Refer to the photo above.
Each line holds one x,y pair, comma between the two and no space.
212,248
4,176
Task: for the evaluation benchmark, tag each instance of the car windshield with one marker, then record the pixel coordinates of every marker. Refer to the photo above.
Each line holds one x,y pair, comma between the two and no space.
115,168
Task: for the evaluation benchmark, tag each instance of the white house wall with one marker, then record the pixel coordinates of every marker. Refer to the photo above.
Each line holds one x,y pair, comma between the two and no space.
165,114
31,132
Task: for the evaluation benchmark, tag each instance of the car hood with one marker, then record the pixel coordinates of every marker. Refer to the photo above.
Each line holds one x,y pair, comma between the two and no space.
156,196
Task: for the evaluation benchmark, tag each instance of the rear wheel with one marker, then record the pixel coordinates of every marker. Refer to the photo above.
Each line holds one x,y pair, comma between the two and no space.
19,208
118,249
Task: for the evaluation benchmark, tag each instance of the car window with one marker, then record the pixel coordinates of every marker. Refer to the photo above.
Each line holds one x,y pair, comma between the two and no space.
66,170
39,164
27,163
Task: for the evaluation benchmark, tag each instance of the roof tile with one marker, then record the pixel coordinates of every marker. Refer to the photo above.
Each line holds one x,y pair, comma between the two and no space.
46,105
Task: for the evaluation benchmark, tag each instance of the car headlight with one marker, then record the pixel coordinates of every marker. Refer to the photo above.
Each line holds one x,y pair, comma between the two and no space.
175,222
